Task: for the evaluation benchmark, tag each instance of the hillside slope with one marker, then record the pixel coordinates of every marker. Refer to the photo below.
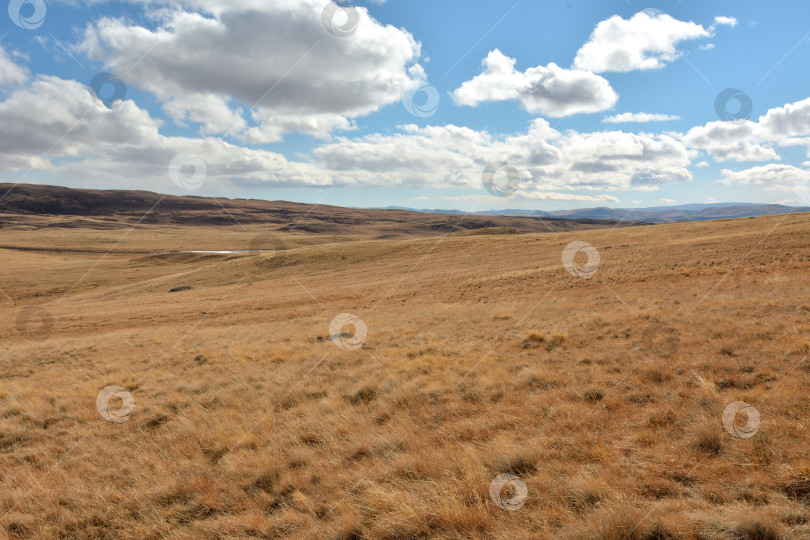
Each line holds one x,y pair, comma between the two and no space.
80,208
255,415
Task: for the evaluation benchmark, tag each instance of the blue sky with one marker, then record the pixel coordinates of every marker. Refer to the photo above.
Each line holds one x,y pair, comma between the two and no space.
408,102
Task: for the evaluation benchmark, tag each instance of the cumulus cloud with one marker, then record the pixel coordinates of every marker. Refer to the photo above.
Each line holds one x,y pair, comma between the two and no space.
258,69
752,141
647,40
53,119
638,118
10,72
727,141
453,156
615,159
59,126
773,176
550,90
788,121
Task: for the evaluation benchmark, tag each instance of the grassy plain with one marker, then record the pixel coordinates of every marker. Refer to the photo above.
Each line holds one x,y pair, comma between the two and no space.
483,356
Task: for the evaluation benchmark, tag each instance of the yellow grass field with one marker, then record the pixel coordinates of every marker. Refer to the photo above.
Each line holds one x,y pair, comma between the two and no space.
239,412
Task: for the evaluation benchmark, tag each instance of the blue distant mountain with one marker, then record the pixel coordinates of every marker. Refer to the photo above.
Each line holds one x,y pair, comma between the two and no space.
655,214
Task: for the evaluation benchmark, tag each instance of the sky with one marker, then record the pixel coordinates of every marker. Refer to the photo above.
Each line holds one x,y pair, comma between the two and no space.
428,104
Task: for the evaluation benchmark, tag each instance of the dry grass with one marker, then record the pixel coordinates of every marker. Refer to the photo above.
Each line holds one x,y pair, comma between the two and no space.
484,356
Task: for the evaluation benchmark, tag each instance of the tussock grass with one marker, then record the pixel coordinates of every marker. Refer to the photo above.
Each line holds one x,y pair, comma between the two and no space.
245,426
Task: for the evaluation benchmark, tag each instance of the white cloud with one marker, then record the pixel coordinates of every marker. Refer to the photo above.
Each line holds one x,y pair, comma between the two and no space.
668,201
727,21
10,72
728,141
791,120
619,160
795,141
61,118
645,41
547,196
752,141
773,176
258,69
550,90
639,117
453,156
52,119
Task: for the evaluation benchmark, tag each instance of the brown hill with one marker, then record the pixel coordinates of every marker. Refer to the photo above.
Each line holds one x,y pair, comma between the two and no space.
95,209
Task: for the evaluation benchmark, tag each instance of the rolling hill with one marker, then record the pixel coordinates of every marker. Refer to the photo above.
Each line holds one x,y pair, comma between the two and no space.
83,208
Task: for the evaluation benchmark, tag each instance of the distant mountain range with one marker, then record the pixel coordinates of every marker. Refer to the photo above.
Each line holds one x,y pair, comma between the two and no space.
654,214
25,206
